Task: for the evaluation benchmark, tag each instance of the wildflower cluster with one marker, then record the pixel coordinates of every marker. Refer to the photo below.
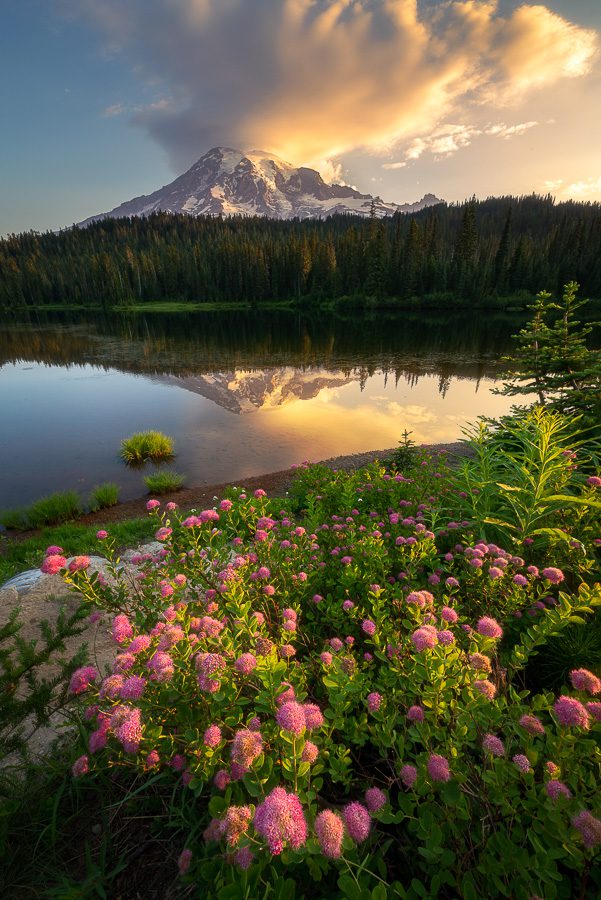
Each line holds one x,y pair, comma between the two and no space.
319,683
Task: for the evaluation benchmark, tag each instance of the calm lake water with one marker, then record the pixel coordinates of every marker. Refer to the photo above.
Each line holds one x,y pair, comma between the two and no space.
241,393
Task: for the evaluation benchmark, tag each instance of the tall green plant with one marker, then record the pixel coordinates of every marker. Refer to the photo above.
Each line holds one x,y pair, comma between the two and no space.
522,483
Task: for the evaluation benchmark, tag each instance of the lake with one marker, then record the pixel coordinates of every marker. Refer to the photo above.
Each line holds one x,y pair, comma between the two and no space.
242,393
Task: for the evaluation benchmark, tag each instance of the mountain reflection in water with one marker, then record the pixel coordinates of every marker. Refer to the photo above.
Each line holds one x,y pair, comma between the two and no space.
299,387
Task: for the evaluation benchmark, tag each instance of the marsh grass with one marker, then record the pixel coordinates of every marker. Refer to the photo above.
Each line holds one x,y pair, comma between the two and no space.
51,510
104,495
164,482
145,445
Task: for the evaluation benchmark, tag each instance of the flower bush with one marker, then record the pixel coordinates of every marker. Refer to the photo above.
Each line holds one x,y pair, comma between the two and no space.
339,696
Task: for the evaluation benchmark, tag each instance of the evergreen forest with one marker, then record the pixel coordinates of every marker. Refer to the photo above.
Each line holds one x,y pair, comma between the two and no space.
492,253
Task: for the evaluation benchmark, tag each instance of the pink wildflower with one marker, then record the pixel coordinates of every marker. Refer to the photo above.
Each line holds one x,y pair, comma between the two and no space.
212,736
287,651
329,829
152,759
438,768
79,563
53,550
489,628
133,688
446,637
583,680
111,687
121,629
449,615
53,564
424,638
492,744
369,627
594,708
555,576
80,767
520,580
313,716
486,688
246,747
415,714
310,752
408,775
589,828
245,663
280,820
243,858
571,713
235,823
532,725
161,666
81,679
153,504
522,762
556,789
129,732
326,658
184,860
141,642
374,701
291,717
480,663
221,779
375,799
357,821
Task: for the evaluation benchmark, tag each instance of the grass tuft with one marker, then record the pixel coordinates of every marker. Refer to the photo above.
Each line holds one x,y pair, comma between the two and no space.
52,510
146,445
104,495
164,482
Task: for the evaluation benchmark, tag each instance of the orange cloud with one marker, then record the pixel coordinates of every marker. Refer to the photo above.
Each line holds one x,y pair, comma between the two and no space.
313,79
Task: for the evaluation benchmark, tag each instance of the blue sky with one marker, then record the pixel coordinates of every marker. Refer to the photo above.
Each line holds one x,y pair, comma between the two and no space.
104,100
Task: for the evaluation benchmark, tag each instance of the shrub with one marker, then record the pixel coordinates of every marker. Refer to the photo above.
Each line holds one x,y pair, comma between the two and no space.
344,693
164,482
145,445
104,495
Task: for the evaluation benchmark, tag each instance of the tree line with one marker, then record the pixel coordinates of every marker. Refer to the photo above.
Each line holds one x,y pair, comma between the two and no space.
477,253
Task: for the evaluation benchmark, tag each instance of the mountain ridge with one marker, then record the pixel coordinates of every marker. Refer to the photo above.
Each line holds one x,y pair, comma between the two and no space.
227,181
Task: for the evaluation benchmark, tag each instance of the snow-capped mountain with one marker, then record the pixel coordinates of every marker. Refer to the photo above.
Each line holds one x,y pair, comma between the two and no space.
230,182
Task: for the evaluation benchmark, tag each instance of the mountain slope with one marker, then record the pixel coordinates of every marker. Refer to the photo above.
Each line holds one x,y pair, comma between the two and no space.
229,182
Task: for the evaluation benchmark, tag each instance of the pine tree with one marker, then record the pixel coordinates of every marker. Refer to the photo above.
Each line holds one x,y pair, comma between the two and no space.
552,359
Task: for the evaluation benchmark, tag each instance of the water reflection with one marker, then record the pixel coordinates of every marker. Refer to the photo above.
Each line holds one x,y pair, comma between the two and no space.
240,393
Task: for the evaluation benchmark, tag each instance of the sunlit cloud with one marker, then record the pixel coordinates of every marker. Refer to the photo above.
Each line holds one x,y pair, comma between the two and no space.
446,140
584,189
313,79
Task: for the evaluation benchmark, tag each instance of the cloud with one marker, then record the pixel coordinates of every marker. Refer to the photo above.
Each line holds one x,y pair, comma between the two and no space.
444,140
117,109
313,79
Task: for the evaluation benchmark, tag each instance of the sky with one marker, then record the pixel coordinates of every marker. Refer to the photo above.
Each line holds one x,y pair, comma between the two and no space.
105,100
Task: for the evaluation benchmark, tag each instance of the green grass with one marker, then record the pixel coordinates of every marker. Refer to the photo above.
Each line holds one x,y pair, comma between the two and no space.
166,306
104,495
16,556
164,482
146,445
52,510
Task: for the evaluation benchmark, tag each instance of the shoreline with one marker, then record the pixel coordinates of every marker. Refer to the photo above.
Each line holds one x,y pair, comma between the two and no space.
274,483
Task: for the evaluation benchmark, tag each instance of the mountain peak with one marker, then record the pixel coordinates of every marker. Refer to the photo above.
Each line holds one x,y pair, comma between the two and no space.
229,181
